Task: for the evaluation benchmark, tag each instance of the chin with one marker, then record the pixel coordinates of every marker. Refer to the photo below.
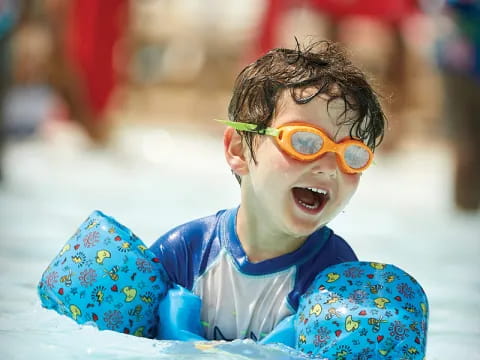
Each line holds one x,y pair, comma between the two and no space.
302,227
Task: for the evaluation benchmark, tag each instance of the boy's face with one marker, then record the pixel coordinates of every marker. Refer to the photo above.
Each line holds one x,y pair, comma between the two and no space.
278,188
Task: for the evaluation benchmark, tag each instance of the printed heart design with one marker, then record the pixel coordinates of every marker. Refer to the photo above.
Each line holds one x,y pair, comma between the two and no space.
126,331
60,291
379,338
156,260
152,278
94,317
398,298
417,340
370,276
76,246
114,288
363,312
118,238
338,333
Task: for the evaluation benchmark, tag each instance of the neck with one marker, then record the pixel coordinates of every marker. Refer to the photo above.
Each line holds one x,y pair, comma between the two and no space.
261,239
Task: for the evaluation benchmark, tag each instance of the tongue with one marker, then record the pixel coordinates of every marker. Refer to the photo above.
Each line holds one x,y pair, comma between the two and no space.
306,196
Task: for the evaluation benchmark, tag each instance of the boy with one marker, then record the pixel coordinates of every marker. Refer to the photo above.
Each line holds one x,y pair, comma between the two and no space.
303,125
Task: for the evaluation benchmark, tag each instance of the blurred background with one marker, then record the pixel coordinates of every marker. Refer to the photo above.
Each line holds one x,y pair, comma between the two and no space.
109,104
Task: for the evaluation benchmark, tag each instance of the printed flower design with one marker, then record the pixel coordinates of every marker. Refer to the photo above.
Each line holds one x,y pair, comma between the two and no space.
87,277
405,290
144,265
113,319
398,330
91,239
353,272
322,337
358,296
51,279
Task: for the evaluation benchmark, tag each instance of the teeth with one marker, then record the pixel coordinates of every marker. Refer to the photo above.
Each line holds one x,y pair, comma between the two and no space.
307,206
320,191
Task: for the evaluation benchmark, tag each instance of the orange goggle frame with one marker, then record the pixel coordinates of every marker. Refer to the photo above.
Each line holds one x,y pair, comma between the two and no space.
305,142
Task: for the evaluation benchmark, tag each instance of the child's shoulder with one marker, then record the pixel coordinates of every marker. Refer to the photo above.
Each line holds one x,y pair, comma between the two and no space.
183,249
341,248
193,231
327,248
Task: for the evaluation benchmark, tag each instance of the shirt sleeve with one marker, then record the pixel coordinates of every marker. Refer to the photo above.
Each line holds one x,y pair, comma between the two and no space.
185,250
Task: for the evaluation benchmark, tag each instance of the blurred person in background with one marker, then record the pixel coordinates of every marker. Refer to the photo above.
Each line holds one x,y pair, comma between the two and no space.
459,58
63,64
373,30
87,49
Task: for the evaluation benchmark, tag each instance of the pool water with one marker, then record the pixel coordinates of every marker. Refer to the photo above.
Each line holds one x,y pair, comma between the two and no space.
152,179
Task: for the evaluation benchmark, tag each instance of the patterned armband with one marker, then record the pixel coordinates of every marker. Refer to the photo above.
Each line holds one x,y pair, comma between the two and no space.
107,277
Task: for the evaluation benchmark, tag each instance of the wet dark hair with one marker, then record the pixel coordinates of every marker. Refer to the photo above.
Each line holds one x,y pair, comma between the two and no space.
323,65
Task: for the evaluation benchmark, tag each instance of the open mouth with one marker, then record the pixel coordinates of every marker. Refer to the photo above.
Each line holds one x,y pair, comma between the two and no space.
311,200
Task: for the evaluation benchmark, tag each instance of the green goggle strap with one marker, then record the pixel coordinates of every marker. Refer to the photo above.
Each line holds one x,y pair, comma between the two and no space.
250,127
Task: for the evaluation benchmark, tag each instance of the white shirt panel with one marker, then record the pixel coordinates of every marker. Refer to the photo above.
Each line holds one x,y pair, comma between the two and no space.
238,304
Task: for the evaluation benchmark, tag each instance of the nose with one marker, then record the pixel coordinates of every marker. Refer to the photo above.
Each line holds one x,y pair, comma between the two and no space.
326,164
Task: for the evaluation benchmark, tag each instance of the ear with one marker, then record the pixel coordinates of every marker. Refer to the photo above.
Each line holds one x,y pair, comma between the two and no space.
235,151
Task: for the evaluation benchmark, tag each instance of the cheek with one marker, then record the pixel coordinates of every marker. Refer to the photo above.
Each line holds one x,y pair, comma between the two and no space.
274,159
350,184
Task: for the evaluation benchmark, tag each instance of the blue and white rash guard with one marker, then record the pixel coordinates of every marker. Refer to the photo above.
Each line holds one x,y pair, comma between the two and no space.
241,299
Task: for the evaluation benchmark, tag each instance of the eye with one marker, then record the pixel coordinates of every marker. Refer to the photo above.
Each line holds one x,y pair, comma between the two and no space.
356,156
306,143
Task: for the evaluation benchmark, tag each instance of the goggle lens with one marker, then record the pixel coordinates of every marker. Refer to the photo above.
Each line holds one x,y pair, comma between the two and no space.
356,156
306,142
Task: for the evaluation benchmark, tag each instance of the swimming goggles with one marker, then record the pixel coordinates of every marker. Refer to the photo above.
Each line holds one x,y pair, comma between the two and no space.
305,142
